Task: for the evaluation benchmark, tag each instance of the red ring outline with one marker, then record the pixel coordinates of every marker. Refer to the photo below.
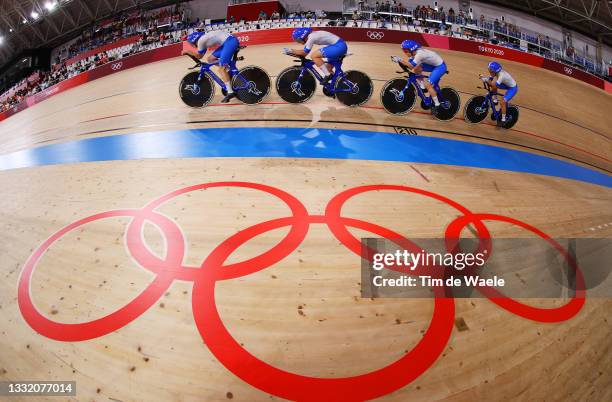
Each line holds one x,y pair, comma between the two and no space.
299,229
334,213
303,388
123,316
562,313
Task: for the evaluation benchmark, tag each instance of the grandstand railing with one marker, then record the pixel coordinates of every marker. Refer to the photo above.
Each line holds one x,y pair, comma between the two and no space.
485,28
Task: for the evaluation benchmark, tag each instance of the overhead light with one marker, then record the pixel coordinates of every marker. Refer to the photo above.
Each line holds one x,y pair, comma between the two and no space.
25,21
11,30
50,5
34,14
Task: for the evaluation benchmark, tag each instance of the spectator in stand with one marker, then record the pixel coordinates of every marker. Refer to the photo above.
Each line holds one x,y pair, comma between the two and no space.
262,16
275,16
451,15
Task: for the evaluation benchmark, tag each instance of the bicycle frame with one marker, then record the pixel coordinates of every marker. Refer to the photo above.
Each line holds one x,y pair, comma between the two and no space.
309,65
489,100
206,69
412,80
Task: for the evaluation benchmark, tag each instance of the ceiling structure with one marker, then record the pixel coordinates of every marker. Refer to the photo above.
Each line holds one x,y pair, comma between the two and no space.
31,24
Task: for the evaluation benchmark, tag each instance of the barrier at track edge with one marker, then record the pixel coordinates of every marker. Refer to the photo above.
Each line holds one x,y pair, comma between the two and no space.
282,35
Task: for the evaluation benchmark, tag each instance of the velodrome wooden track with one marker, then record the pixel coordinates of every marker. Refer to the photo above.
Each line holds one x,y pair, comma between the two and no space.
304,314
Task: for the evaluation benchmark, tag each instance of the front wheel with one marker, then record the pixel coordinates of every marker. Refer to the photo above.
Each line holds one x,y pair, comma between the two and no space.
396,98
252,85
354,88
294,89
476,109
196,92
449,104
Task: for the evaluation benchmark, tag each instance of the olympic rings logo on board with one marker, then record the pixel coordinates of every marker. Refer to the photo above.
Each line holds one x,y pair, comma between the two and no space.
215,268
117,66
244,38
375,35
568,70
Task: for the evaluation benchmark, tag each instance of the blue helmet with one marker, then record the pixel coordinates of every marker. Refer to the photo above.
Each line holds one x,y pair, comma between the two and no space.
194,36
410,45
495,67
300,34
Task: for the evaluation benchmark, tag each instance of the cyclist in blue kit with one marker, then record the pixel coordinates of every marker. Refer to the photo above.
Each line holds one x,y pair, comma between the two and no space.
333,48
501,79
424,60
227,46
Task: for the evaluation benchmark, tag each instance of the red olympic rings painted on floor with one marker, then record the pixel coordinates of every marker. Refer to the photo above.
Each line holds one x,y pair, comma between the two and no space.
209,323
565,312
121,317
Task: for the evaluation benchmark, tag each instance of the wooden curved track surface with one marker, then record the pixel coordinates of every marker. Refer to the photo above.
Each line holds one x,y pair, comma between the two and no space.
303,314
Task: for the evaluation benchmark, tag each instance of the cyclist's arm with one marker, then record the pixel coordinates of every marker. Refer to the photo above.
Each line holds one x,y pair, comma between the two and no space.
307,46
403,62
415,69
299,52
493,84
490,81
191,53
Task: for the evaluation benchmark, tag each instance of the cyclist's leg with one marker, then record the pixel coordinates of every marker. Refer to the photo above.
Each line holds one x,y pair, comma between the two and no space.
330,53
510,93
319,60
433,81
421,83
214,56
225,54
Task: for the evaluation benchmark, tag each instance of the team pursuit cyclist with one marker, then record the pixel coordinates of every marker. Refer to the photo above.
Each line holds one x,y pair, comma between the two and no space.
501,79
332,49
424,60
227,46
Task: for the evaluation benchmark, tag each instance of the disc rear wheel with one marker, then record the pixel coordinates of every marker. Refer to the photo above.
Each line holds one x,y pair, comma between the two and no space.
354,89
449,104
252,85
